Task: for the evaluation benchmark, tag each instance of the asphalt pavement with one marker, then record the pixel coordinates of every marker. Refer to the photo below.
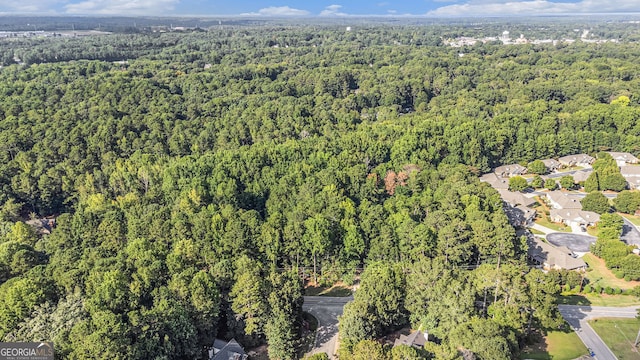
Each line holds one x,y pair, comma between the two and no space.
575,242
326,309
630,233
577,317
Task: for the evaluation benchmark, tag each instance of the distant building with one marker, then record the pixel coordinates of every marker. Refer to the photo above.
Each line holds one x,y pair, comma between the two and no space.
495,181
223,350
510,170
551,164
632,175
623,158
505,37
576,160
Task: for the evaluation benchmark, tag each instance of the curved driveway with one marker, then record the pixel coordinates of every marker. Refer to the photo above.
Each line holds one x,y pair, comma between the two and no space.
326,309
575,242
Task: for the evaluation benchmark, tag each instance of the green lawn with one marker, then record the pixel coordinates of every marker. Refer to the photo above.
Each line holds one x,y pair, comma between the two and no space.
599,300
557,345
542,220
536,232
600,275
619,335
573,168
634,219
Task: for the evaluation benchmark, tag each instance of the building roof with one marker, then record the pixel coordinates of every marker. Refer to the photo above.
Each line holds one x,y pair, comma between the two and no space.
519,215
42,226
495,181
515,198
563,201
583,175
551,164
574,215
634,182
576,159
552,256
511,169
415,339
624,156
223,350
630,171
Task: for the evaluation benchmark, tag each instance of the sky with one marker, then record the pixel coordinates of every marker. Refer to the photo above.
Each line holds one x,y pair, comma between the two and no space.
312,8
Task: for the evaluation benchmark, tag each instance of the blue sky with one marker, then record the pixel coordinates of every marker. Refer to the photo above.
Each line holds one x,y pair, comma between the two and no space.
336,8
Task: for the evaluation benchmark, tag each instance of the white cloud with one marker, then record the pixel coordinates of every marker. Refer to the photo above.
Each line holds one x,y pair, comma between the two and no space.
535,7
278,11
122,7
332,10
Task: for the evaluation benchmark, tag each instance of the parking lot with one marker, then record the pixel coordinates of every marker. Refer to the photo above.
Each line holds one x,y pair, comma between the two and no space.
575,242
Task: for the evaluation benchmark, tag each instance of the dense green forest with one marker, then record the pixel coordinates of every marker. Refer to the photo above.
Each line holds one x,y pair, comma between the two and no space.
195,176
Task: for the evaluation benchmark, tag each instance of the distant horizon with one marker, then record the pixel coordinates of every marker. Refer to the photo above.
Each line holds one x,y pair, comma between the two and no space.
319,8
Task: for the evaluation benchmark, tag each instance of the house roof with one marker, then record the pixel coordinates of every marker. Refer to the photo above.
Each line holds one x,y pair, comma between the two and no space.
518,215
229,351
551,256
515,198
563,200
551,163
42,226
580,216
580,176
576,159
630,171
634,182
495,181
511,169
624,156
415,339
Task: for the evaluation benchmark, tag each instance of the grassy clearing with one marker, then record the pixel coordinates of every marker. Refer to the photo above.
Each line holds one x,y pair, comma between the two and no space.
557,345
599,300
619,335
536,232
544,221
593,231
572,168
634,219
600,275
337,290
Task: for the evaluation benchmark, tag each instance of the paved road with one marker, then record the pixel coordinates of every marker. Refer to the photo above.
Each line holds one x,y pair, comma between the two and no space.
543,229
326,310
575,242
577,317
630,233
